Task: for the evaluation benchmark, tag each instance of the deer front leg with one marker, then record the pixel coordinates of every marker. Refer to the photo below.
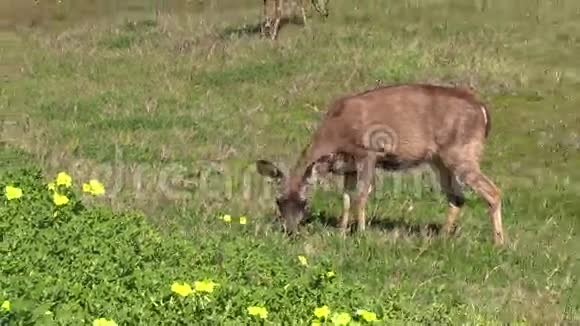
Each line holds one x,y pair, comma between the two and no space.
367,170
350,181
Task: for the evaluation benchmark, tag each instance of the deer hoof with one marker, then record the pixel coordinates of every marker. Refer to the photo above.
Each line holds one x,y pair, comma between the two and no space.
450,228
498,239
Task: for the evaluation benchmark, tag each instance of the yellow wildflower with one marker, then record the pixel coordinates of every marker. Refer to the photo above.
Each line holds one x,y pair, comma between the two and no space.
258,311
342,318
302,260
330,274
367,315
204,286
51,186
63,179
94,187
181,289
12,192
5,305
104,322
322,312
243,220
59,199
227,218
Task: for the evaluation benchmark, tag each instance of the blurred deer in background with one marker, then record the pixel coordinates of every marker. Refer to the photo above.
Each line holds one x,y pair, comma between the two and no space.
275,10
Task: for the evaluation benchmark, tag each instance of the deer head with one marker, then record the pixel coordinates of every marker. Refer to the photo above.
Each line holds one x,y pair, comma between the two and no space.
291,196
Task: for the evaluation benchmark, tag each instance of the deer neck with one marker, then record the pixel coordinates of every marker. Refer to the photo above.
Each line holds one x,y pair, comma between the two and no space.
303,170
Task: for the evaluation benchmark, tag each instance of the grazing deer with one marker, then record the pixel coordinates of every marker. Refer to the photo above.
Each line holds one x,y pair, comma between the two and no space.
274,10
394,128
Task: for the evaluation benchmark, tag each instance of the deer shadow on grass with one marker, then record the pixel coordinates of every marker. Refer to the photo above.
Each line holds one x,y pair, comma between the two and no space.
257,28
239,31
379,223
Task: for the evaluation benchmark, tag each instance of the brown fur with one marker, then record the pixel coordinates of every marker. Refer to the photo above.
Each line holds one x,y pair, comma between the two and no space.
444,127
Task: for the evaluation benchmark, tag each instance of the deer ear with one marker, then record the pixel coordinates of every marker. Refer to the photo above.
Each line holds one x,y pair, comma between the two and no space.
268,169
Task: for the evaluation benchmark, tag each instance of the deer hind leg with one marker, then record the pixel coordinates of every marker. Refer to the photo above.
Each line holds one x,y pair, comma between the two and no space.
452,190
488,191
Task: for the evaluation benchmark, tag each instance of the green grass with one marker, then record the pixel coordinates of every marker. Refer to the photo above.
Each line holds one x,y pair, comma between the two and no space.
170,111
74,263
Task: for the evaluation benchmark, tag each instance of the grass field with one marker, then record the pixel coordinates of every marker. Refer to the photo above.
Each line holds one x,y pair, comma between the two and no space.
170,108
